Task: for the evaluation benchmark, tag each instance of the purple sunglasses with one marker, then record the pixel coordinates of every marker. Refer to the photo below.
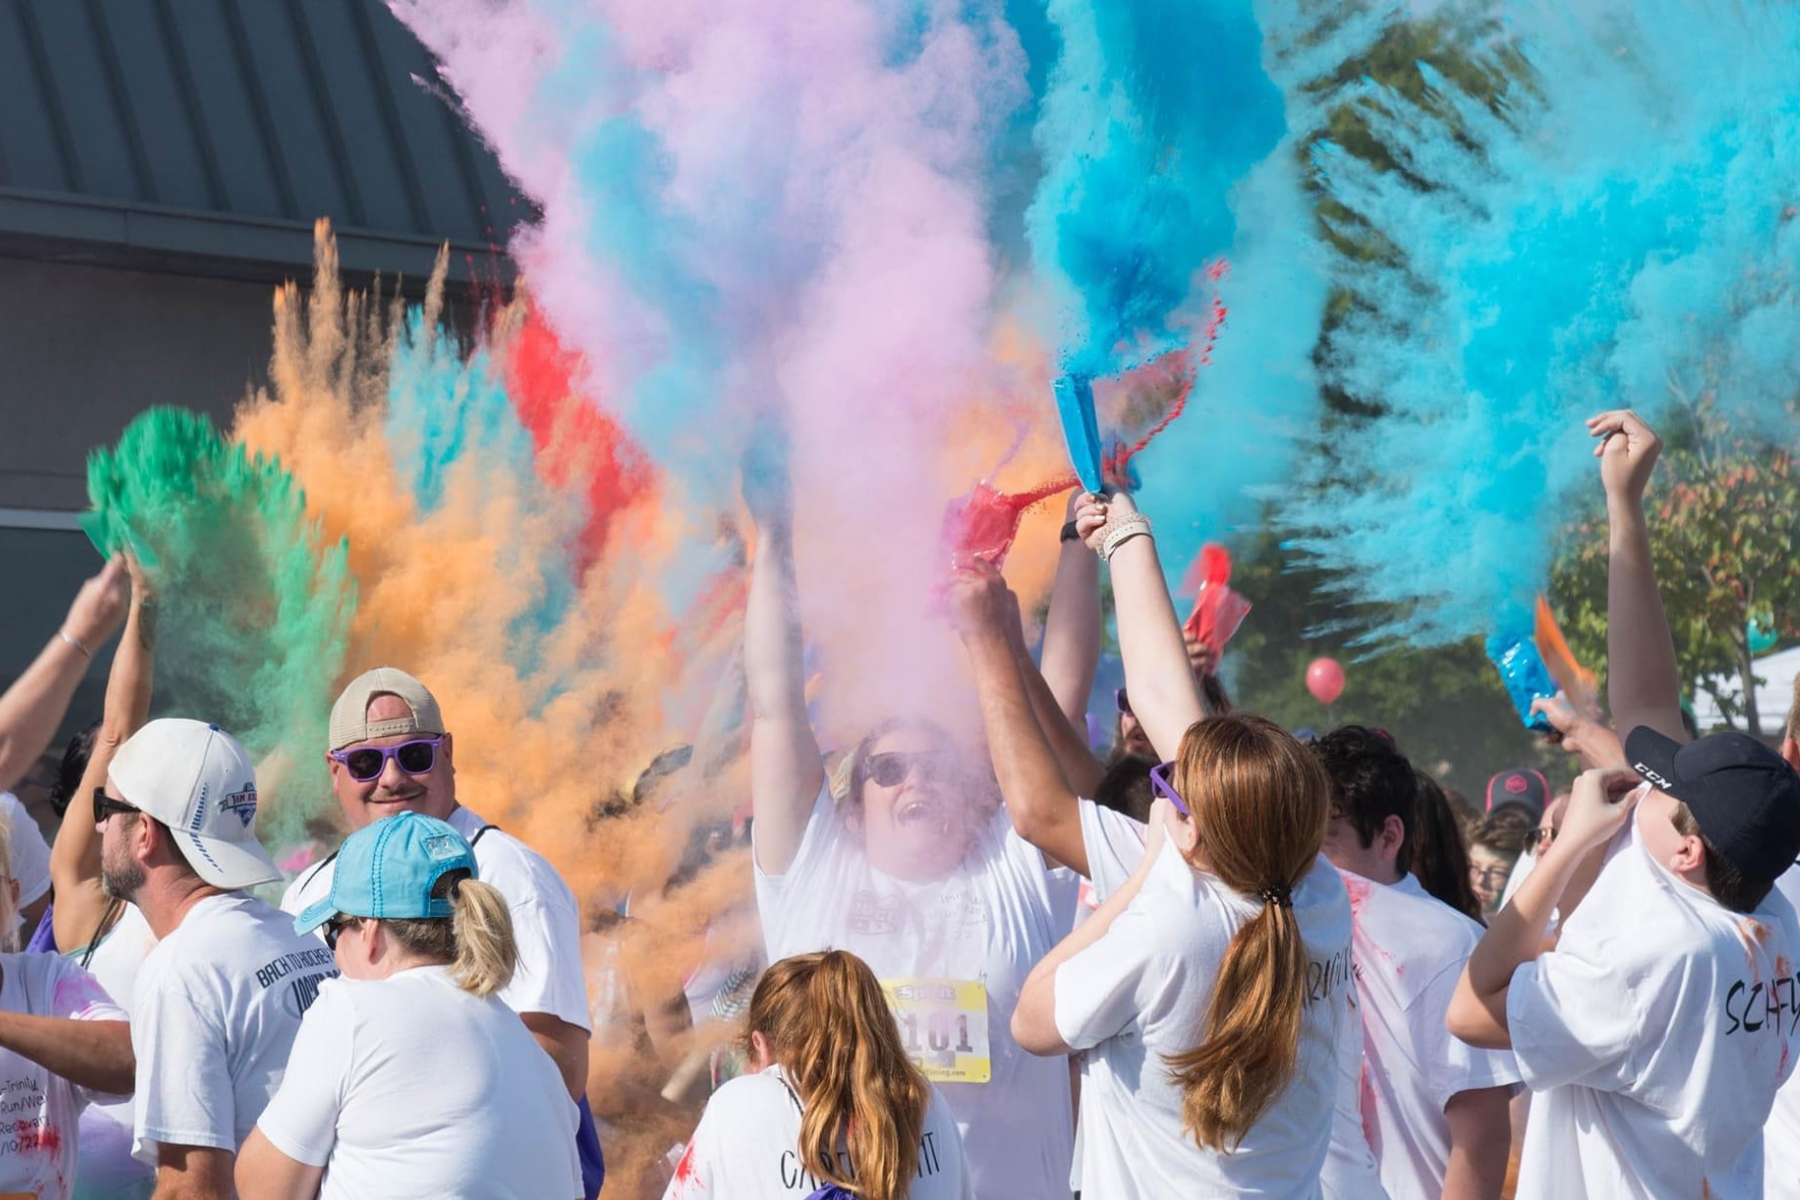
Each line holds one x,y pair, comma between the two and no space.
1159,779
368,762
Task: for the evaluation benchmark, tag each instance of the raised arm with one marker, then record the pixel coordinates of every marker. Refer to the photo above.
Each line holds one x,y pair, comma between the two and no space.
1072,628
1042,806
75,858
1069,742
1598,807
785,768
34,705
1163,692
1643,685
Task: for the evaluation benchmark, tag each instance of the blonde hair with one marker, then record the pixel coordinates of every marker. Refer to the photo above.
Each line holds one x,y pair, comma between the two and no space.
1260,803
828,1024
476,939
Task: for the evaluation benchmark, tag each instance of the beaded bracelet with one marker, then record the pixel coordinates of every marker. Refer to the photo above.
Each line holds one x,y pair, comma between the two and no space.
1123,532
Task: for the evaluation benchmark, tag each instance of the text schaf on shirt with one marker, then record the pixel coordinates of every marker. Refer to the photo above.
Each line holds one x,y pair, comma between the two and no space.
1754,1005
795,1177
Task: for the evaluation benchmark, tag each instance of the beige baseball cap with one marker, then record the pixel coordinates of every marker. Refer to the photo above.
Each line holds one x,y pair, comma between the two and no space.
350,715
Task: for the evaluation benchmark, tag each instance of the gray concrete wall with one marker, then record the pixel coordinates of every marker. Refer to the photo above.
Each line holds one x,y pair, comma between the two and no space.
83,349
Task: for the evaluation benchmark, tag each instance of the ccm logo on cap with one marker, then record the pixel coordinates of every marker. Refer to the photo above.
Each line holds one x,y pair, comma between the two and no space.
1652,776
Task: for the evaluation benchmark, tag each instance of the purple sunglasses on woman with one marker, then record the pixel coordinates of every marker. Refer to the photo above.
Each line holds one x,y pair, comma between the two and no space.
1159,779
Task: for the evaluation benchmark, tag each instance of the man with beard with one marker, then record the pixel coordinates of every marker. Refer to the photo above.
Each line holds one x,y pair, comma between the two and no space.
219,1000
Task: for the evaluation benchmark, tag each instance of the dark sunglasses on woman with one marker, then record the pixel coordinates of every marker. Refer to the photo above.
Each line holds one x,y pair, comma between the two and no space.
890,769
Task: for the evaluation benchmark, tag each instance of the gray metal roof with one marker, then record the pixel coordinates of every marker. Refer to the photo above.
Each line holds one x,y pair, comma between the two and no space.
207,135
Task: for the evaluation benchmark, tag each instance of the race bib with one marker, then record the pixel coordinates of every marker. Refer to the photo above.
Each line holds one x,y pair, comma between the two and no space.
944,1027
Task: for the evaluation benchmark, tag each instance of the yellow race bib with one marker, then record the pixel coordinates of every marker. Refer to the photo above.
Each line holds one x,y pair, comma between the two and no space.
943,1026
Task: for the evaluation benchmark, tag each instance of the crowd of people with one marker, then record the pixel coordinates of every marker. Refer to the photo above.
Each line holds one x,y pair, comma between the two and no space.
1219,960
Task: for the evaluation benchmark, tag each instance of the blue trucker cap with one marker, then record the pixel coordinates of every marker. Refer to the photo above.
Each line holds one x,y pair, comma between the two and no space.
388,870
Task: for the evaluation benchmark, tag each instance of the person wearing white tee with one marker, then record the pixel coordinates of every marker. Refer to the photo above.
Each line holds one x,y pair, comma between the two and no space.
1655,1034
1021,718
1209,990
31,863
1434,1110
390,751
916,871
101,932
63,1044
220,998
1781,1134
835,1101
410,1077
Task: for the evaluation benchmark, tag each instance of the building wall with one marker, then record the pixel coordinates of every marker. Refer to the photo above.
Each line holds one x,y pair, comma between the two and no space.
84,349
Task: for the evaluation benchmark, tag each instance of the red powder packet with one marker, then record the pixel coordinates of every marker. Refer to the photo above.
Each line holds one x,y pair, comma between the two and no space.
1218,611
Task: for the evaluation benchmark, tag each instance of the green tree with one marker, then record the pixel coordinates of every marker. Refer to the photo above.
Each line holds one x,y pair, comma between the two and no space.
1722,521
1445,706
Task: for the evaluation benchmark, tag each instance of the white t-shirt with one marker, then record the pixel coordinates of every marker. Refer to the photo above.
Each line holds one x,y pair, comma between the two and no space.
1410,952
746,1148
1115,846
1140,994
39,1111
30,852
1653,1038
218,1003
106,1169
954,953
1781,1136
410,1086
546,922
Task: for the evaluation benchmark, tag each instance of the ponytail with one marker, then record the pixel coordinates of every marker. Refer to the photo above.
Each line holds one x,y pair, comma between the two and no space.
828,1024
476,940
1260,805
486,954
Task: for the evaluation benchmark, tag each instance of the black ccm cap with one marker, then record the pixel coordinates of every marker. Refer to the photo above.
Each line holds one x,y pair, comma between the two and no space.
1744,796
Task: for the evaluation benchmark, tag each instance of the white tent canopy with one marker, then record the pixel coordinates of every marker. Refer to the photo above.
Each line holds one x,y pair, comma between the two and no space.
1774,694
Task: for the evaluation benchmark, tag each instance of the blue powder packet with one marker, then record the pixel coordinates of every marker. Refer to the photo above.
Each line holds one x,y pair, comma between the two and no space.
1523,672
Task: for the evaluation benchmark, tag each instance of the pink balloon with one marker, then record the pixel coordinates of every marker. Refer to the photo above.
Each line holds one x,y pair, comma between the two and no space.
1325,680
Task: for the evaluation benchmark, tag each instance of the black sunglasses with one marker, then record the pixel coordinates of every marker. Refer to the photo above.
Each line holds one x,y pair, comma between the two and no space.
1124,703
105,806
891,768
365,763
335,927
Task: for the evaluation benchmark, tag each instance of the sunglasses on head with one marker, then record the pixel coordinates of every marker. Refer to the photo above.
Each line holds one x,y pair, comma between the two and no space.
366,763
335,927
890,769
1159,779
105,806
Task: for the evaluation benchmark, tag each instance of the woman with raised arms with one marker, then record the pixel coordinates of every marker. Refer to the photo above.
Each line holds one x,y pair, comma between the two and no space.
1208,990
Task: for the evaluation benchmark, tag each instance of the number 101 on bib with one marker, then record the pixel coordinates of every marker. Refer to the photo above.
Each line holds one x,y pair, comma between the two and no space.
944,1027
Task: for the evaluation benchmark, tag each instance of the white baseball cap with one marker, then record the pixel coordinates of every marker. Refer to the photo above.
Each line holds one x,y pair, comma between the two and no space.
196,779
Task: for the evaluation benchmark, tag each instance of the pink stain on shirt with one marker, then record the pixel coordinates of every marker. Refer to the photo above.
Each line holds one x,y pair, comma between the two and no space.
76,994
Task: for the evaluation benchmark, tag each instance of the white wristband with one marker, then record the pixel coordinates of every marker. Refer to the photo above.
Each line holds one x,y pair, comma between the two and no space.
1123,532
